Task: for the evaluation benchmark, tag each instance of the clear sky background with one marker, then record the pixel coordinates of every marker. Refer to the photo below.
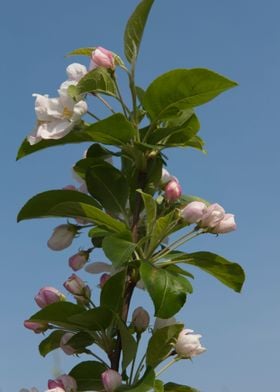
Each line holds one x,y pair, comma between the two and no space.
240,39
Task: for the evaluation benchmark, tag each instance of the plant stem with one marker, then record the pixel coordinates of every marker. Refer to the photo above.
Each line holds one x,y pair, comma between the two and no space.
138,338
105,102
139,368
124,107
168,365
93,115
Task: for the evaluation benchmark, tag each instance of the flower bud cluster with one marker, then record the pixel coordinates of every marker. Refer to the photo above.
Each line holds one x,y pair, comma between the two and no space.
212,217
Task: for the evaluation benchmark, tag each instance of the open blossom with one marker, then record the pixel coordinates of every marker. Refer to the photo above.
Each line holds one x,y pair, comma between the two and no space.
62,236
193,212
48,295
173,190
111,380
188,344
226,225
36,327
76,71
66,382
102,57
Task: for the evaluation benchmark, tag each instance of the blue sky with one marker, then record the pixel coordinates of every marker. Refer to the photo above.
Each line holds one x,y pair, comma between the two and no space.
239,39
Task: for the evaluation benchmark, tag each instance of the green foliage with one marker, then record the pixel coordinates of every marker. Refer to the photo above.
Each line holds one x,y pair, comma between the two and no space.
159,386
161,343
99,80
88,375
108,185
150,210
51,343
135,28
129,346
161,229
118,250
59,314
97,319
182,89
81,52
172,387
229,273
46,204
145,384
112,293
167,289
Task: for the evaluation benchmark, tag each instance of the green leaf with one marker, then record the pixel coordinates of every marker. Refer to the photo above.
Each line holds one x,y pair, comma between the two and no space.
99,80
177,270
97,319
181,89
42,204
159,386
112,293
115,130
167,289
186,199
229,273
178,136
108,185
135,28
80,341
172,387
59,314
145,384
118,250
51,343
161,230
129,345
98,151
151,211
160,344
81,52
88,375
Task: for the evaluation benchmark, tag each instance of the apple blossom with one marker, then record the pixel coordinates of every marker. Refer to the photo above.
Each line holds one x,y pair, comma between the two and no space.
173,190
62,236
35,326
193,212
226,225
69,350
212,216
78,260
78,288
188,344
140,319
102,57
111,380
48,295
66,382
76,71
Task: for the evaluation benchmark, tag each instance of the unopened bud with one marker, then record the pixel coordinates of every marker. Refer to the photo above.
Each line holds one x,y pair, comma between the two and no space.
78,288
102,57
78,260
62,236
48,295
173,190
103,279
193,212
140,319
65,347
226,225
36,326
66,382
212,216
111,380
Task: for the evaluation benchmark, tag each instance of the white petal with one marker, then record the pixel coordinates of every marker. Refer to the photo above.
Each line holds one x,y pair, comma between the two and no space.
55,129
79,110
98,267
34,138
76,71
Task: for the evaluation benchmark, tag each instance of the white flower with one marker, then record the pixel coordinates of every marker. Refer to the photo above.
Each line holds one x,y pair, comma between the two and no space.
188,344
76,71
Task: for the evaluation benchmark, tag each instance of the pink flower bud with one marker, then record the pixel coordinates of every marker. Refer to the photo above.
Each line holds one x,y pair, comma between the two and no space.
78,288
213,215
57,389
66,382
62,237
66,348
103,279
173,190
47,296
193,212
111,380
165,176
188,344
78,260
35,326
226,225
140,319
102,57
